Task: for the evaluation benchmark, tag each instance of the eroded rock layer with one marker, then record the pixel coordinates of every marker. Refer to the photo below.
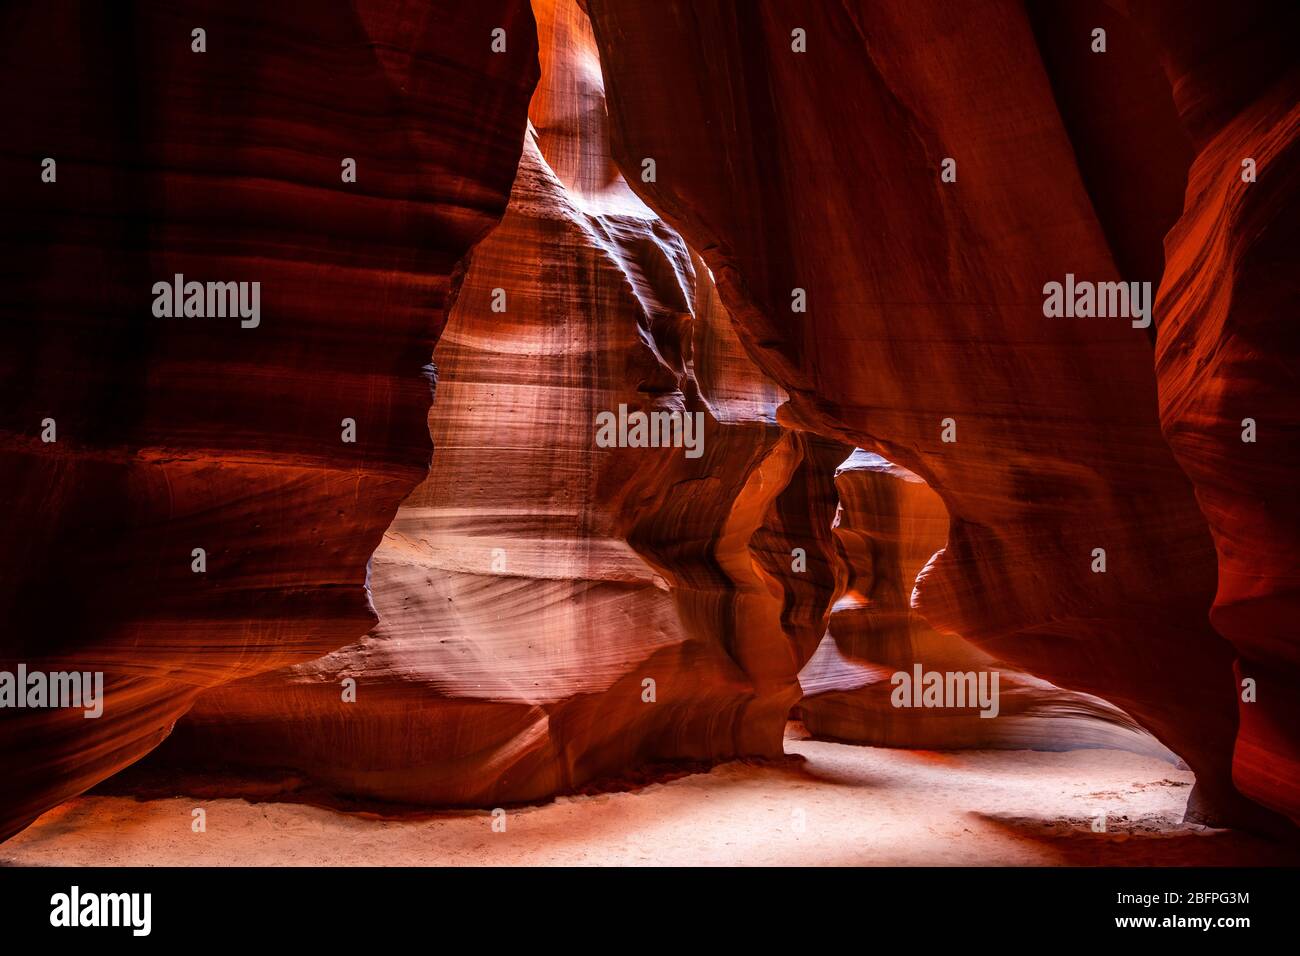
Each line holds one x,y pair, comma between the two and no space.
925,303
225,164
841,221
889,528
553,611
1228,356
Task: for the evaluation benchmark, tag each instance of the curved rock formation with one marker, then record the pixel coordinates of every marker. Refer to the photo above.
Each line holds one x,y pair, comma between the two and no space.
1228,357
837,229
222,164
534,583
925,303
889,529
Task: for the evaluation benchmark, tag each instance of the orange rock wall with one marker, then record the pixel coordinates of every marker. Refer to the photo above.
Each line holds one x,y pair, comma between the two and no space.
176,434
821,171
534,581
694,214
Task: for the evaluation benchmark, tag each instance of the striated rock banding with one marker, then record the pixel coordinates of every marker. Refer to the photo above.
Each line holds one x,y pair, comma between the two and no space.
534,583
177,434
889,529
925,304
1228,357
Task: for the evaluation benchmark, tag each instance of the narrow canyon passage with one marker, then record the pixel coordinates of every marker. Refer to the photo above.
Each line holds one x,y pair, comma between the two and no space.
553,612
658,443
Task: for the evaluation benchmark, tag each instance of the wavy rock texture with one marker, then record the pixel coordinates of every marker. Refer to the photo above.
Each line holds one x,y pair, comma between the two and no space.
531,582
925,303
175,434
534,581
889,528
1227,351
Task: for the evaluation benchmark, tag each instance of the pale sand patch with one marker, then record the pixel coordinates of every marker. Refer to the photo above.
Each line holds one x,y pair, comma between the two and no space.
839,805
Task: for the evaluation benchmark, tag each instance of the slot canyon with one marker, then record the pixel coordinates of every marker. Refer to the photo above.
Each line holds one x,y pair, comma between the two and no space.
881,563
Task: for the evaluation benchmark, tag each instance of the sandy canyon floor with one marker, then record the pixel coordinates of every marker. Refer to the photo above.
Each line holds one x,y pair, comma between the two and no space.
825,804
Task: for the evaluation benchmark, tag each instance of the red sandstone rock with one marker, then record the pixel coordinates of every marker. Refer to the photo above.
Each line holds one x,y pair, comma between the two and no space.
175,434
521,609
533,583
890,527
1228,352
821,171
